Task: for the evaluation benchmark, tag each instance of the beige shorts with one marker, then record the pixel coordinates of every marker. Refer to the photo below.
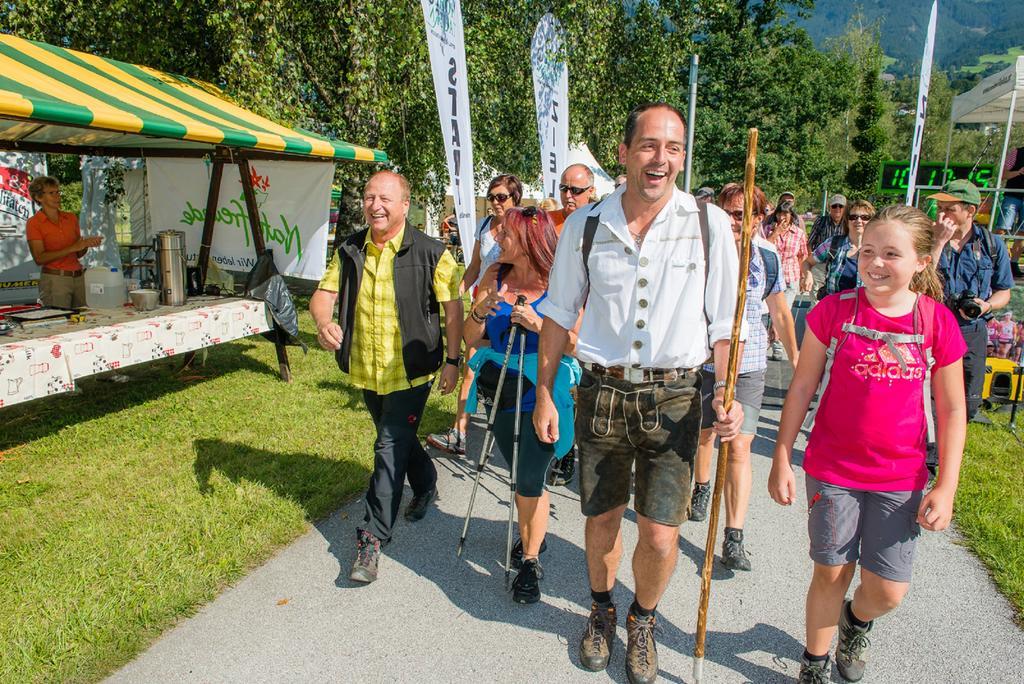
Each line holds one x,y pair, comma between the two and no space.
65,292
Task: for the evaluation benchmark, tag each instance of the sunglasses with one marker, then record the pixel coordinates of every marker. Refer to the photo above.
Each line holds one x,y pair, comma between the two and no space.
860,217
838,206
573,189
499,197
737,215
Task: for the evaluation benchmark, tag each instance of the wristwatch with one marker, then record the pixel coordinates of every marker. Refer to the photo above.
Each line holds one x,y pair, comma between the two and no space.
453,362
719,384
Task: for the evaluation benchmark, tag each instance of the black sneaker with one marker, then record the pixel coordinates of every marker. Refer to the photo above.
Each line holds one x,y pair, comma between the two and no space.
367,558
734,556
853,643
563,469
526,585
816,672
517,552
699,501
417,507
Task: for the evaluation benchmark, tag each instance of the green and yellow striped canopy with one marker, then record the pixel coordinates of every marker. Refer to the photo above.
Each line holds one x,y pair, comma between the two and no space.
51,96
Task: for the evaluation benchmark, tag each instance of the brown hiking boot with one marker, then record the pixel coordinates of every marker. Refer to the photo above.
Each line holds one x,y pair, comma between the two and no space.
596,643
641,651
853,643
367,557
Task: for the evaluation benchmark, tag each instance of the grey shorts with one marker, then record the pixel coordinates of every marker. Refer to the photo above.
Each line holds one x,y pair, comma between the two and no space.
877,528
749,392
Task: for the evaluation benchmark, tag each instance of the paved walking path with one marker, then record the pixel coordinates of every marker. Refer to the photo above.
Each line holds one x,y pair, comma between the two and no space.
432,617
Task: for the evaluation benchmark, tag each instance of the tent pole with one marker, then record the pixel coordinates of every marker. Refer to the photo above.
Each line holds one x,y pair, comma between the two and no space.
256,228
1002,158
210,218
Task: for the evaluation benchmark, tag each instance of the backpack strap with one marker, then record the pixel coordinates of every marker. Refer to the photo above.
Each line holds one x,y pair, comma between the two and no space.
705,243
830,355
589,231
771,270
924,321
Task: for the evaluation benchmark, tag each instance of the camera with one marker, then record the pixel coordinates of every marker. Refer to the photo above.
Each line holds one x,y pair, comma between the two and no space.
967,306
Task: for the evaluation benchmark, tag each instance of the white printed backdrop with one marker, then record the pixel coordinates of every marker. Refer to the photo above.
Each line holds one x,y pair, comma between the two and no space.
294,203
19,274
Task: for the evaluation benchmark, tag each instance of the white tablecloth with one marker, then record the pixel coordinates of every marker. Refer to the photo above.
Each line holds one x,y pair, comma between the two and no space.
37,362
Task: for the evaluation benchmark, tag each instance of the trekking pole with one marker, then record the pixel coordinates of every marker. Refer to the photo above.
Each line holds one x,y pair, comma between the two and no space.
515,458
730,392
485,449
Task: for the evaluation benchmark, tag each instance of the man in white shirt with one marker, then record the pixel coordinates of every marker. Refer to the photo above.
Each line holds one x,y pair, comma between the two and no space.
660,293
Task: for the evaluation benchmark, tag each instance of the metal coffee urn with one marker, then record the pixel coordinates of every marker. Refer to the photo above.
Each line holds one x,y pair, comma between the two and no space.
171,264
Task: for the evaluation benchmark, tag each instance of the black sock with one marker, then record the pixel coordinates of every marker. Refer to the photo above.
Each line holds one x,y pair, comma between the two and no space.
854,620
637,610
814,658
601,598
703,485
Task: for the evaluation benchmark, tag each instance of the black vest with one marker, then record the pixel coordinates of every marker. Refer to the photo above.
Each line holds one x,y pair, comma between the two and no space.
418,310
1017,183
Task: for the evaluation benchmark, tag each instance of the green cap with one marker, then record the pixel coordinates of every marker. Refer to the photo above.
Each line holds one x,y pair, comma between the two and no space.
959,190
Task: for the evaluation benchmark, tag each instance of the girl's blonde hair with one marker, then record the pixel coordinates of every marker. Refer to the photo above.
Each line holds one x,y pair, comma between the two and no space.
920,227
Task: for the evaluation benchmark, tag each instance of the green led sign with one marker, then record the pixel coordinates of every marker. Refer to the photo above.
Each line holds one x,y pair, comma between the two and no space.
895,175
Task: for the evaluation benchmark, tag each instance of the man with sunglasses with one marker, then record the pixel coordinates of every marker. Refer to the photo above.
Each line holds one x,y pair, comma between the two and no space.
576,189
655,274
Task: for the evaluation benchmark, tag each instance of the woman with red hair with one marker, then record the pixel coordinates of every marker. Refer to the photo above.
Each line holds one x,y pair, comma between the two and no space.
527,239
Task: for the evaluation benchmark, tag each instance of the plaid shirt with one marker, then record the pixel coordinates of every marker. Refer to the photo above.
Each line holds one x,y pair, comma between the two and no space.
835,261
823,230
755,347
792,246
376,361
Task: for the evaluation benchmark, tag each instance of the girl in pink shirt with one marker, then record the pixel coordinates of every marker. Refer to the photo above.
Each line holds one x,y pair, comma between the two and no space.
880,353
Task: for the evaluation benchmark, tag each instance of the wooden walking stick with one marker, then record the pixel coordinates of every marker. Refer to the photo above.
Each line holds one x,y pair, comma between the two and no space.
730,391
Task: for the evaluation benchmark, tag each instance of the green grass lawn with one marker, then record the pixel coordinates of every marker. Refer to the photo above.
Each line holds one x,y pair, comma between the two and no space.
985,61
127,507
989,509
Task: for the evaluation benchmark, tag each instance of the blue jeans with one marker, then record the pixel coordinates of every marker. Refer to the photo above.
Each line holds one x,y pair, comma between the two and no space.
1011,213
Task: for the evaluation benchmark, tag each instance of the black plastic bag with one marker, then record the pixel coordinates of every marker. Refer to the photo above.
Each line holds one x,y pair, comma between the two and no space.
264,282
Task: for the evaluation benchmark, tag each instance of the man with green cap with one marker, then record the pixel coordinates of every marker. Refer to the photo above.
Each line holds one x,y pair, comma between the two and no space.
975,268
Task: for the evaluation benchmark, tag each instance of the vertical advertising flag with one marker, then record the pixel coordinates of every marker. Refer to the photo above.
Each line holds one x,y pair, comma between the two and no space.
446,44
551,95
922,103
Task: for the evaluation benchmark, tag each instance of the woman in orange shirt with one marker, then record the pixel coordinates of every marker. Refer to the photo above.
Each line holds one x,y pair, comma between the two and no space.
56,243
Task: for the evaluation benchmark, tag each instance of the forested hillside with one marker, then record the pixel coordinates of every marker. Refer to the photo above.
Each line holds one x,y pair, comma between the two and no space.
966,30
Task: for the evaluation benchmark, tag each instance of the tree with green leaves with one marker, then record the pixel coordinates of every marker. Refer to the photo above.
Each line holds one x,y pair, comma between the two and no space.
871,141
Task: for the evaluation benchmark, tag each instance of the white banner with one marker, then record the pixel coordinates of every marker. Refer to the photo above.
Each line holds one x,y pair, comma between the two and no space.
551,95
294,201
19,274
446,44
922,103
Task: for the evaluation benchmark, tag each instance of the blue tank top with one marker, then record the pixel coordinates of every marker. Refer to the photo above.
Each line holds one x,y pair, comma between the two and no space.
497,328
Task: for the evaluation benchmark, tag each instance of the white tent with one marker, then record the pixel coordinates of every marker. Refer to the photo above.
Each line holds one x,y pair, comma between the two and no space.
994,100
581,154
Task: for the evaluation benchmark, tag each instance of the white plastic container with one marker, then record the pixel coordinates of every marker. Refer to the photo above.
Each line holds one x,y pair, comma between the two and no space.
104,288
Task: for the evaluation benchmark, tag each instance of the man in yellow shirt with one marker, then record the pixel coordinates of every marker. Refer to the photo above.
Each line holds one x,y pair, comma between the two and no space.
388,284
